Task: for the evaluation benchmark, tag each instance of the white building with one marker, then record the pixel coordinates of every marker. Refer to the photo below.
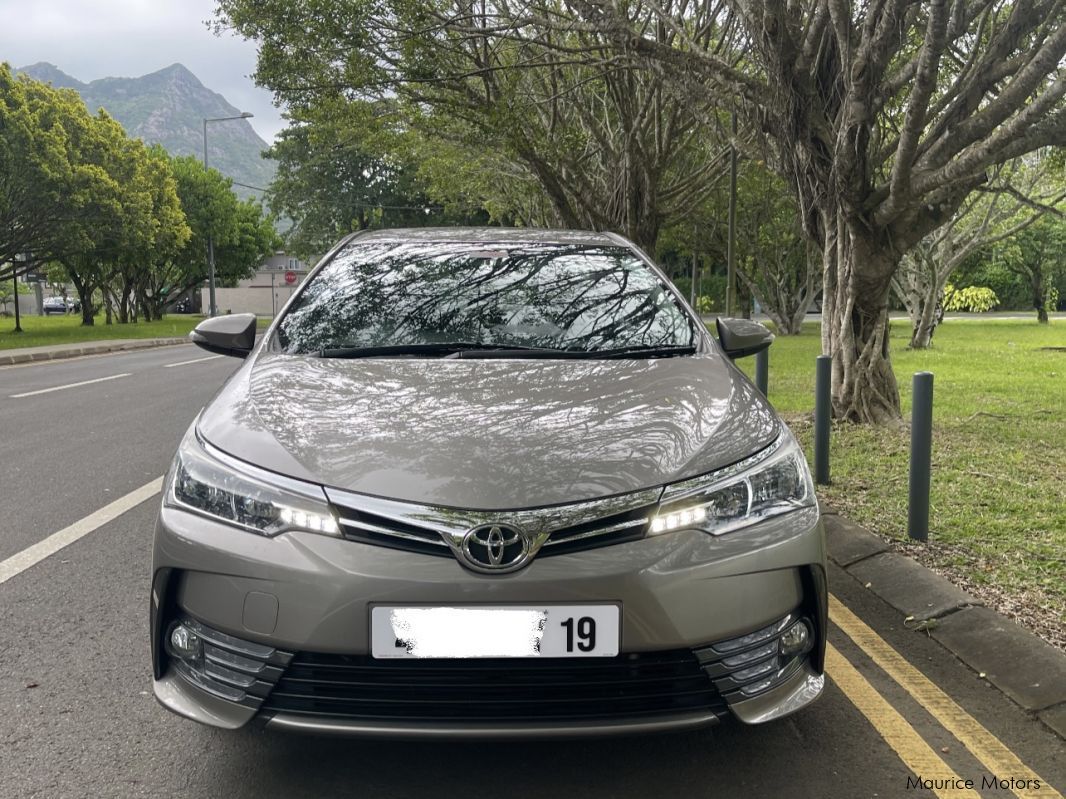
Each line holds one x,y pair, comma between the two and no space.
263,294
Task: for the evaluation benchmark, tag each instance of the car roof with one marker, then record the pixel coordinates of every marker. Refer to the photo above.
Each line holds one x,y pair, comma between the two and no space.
493,235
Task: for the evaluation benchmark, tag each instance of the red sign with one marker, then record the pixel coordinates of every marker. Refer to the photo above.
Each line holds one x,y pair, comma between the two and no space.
290,277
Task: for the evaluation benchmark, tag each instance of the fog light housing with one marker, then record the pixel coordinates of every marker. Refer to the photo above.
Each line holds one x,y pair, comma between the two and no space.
184,643
795,639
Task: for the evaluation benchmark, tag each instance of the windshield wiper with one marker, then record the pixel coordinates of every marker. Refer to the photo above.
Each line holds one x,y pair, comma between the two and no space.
446,348
647,351
571,354
467,349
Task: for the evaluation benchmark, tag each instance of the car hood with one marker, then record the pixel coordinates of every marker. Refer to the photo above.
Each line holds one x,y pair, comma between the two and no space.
489,434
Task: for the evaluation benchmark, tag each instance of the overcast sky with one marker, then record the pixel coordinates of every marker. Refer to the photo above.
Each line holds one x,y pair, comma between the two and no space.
90,39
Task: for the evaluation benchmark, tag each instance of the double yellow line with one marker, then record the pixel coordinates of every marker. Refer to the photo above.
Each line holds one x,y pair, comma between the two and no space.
912,749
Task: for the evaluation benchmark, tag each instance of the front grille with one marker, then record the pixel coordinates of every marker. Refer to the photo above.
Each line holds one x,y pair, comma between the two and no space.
386,531
382,531
359,688
628,526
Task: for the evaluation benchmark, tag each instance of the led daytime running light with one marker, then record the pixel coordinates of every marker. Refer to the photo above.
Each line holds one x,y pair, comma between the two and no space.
682,518
306,520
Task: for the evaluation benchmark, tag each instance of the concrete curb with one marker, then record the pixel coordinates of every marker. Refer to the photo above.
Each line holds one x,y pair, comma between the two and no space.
56,352
1020,664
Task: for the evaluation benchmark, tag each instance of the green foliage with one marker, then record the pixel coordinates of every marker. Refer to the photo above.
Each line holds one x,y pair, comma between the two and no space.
971,299
342,167
704,304
49,191
7,293
1037,255
493,120
122,222
241,234
986,270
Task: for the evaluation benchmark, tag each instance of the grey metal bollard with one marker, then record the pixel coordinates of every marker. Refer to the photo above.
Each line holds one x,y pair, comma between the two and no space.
762,369
921,456
823,411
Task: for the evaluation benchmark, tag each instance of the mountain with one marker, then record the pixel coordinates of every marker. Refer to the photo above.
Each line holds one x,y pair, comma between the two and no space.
168,108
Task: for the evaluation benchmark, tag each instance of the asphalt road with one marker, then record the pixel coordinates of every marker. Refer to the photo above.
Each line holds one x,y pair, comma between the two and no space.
77,717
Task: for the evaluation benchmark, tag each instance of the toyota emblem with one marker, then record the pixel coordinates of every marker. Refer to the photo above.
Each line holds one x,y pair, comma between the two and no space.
494,547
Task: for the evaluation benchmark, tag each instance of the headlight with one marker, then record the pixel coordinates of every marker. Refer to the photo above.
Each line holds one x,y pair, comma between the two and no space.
771,482
206,481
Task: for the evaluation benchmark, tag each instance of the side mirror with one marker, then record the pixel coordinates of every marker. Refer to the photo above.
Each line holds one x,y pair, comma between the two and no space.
742,337
226,335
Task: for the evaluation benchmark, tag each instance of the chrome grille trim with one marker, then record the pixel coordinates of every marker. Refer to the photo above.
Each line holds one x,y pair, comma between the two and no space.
613,528
436,530
431,537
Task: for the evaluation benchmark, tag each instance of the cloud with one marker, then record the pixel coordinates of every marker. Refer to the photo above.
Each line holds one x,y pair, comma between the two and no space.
127,38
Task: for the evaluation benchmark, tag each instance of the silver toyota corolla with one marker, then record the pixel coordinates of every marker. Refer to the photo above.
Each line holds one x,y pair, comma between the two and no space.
487,482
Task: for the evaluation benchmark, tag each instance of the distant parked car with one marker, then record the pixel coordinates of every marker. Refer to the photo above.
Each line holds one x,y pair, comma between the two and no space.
56,305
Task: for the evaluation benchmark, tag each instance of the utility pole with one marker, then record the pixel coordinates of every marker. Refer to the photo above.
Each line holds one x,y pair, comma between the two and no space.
212,308
15,286
730,284
692,288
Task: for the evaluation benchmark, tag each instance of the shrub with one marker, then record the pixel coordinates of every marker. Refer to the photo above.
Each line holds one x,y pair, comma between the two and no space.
704,304
972,299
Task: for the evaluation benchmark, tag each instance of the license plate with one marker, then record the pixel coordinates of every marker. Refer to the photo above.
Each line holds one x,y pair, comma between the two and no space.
522,631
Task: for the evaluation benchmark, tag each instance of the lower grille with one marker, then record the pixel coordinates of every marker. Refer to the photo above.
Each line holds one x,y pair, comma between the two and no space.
227,667
752,664
629,686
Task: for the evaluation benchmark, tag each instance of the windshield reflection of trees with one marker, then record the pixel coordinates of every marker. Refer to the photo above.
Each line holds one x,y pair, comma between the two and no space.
573,297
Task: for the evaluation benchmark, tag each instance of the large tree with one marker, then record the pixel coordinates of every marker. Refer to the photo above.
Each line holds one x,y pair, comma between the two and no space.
882,116
1014,197
345,166
132,228
1037,254
47,189
242,235
605,143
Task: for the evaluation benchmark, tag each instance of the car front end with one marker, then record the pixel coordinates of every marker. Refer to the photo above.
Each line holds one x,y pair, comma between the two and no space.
522,544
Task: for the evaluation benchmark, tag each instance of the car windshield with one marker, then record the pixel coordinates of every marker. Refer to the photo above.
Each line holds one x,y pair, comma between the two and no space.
580,299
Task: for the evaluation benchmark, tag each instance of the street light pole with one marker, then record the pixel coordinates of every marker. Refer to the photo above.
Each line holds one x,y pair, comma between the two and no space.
212,309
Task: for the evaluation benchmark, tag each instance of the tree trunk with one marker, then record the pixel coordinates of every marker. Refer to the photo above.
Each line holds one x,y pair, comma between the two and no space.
922,334
855,327
1039,295
85,294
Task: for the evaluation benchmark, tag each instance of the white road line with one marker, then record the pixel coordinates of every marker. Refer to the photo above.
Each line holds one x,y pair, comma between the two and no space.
194,360
33,555
69,385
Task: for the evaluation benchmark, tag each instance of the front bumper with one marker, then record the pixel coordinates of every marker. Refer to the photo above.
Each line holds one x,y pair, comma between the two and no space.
306,594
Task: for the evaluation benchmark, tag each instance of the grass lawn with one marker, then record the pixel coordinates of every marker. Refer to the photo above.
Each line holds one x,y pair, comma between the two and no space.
43,330
998,501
